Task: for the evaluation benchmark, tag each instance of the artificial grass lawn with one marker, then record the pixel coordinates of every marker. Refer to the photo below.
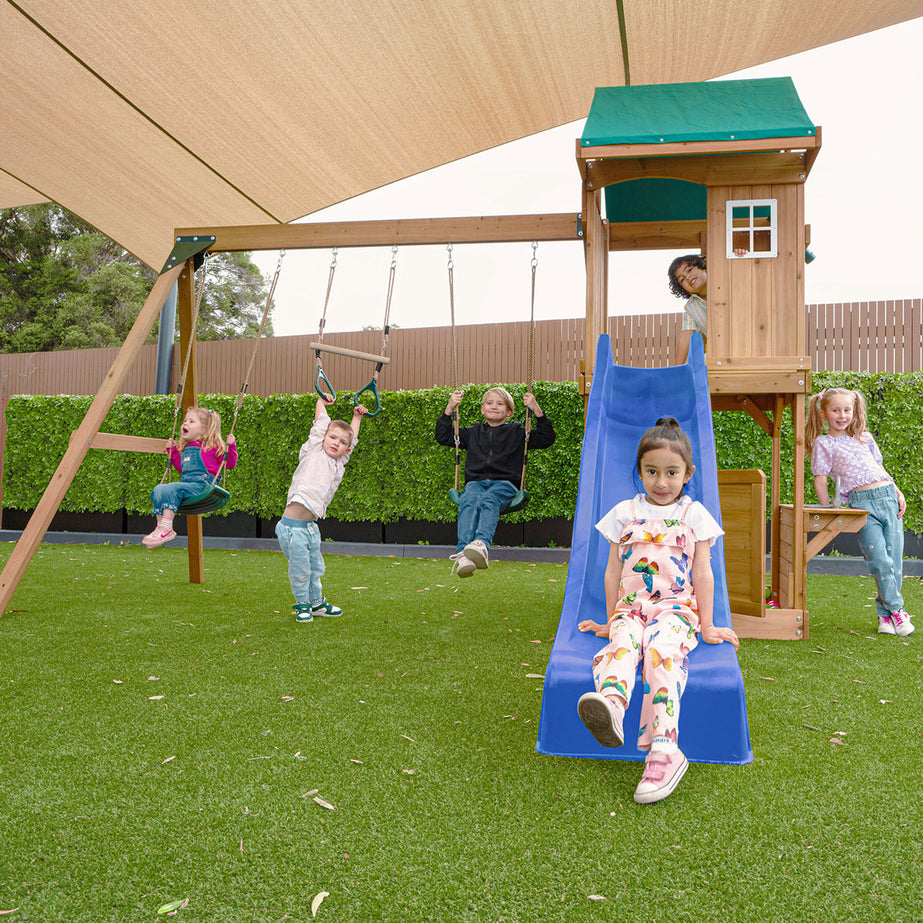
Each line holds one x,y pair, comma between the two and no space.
162,741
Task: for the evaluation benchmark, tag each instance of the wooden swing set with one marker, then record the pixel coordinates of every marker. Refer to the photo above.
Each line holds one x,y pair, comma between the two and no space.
179,271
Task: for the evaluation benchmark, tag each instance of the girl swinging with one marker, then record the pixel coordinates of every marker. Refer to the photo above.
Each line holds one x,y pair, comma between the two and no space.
198,457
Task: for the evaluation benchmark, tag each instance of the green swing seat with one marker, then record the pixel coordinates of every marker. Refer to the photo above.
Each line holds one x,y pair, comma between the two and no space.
211,499
518,501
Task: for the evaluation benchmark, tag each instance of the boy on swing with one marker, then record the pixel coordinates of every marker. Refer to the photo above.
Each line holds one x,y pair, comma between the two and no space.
493,468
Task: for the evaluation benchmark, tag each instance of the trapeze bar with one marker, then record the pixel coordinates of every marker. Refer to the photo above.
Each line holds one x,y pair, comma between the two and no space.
342,351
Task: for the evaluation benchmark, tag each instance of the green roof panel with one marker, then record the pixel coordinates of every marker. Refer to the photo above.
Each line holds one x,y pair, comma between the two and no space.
652,199
718,110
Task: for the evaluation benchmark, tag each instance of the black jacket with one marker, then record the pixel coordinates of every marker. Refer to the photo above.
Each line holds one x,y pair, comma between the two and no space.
494,453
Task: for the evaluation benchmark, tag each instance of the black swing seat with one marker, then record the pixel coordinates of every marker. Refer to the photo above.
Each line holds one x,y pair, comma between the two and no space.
206,502
519,500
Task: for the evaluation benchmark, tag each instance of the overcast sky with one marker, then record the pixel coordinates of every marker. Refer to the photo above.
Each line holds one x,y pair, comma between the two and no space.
863,201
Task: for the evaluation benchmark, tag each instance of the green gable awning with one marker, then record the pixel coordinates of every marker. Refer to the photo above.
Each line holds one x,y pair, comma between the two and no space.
656,200
719,110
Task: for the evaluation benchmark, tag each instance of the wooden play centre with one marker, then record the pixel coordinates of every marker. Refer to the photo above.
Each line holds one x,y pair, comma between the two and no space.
719,168
710,167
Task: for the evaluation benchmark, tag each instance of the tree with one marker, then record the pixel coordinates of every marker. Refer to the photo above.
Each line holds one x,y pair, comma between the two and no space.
65,285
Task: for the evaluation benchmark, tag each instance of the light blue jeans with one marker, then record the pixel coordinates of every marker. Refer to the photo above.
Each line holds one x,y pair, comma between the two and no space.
881,541
299,540
194,480
479,510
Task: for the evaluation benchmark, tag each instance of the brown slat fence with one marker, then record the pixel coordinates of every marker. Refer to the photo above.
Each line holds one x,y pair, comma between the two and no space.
878,336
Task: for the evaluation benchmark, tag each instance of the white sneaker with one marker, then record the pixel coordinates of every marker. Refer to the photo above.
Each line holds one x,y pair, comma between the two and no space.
477,551
886,625
602,719
902,624
463,565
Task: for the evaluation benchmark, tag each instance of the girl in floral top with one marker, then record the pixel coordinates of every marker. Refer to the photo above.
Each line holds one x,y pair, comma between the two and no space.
847,452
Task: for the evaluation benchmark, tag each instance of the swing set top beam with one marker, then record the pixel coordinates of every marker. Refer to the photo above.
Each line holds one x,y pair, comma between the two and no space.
403,231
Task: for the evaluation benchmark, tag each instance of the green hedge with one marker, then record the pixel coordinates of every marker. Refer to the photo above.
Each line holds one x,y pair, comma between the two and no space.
398,469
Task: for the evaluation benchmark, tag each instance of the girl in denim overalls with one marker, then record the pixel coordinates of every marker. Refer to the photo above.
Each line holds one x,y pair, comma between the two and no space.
659,588
198,457
847,452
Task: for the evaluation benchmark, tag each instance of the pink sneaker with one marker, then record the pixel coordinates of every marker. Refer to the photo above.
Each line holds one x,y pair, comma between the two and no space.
662,773
158,537
886,625
902,624
602,719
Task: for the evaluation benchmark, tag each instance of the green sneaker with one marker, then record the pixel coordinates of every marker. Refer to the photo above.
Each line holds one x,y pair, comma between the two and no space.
302,612
325,609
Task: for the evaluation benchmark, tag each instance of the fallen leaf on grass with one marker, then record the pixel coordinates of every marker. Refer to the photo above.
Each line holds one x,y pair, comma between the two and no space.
118,682
324,804
536,641
313,791
837,740
811,727
155,698
535,675
150,678
171,908
409,772
288,698
318,900
770,678
862,681
357,762
8,911
168,759
358,587
595,897
884,701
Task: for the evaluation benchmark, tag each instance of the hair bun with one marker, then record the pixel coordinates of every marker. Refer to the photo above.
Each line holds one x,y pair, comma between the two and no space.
668,421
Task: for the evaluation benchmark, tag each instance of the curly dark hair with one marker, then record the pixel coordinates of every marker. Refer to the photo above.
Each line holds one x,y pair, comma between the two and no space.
692,259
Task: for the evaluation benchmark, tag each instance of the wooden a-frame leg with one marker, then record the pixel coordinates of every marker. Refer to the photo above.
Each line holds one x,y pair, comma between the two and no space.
44,512
185,309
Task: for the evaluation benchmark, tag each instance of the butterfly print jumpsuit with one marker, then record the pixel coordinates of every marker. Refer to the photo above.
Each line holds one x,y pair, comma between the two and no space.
656,619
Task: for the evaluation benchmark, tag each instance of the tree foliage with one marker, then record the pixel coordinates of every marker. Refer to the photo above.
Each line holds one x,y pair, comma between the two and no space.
65,285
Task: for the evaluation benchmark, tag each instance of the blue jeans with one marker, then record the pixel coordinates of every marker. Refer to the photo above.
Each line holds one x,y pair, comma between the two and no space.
170,496
299,540
479,510
881,541
195,480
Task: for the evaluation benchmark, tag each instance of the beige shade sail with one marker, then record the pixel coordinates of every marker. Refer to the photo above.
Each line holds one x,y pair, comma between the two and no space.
144,117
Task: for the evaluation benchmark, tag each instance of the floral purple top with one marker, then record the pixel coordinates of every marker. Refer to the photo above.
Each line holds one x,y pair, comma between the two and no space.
849,461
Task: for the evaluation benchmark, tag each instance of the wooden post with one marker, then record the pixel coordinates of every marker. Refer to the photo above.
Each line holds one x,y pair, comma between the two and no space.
596,252
185,306
799,558
82,439
774,501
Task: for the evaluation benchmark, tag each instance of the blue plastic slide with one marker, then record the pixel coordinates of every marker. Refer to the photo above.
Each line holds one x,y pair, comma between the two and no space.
624,402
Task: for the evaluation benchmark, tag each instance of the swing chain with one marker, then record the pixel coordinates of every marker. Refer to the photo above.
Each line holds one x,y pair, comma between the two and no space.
450,265
530,369
321,380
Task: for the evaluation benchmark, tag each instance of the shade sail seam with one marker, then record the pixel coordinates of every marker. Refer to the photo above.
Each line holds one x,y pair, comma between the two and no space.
28,185
140,112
